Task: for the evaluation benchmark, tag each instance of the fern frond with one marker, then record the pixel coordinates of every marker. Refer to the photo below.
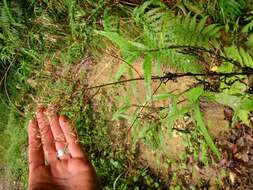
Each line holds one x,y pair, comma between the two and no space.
231,9
180,30
249,26
162,29
154,19
239,54
190,31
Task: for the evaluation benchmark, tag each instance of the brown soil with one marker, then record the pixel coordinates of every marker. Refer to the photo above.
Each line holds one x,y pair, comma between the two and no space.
5,184
174,144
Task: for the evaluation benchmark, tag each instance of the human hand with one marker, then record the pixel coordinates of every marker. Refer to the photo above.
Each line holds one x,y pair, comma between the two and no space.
72,170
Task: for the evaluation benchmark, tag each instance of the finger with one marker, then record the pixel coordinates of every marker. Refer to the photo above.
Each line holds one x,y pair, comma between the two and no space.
35,151
47,138
71,137
59,138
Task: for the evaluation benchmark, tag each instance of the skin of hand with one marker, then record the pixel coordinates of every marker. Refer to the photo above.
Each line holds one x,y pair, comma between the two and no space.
47,134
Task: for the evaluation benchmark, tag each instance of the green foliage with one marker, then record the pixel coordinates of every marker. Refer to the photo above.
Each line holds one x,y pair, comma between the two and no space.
43,42
242,104
240,55
162,29
200,124
33,36
249,26
147,66
231,9
13,147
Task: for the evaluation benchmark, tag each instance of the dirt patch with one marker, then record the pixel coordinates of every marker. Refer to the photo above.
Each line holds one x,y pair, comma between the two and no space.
215,118
173,144
5,184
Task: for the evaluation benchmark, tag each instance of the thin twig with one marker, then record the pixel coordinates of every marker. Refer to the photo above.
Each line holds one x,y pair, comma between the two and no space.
173,76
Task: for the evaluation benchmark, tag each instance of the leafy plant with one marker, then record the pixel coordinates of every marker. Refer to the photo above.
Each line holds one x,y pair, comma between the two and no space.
231,9
242,104
249,26
43,44
160,31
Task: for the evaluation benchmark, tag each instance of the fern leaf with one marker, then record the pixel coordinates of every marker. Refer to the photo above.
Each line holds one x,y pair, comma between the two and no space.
122,42
193,23
246,58
231,9
201,24
200,123
249,26
240,55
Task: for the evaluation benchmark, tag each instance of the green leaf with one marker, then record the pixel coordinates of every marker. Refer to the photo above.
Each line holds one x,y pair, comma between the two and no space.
202,128
228,100
175,113
194,94
242,112
128,62
201,24
147,65
246,58
193,23
119,113
240,55
243,115
133,83
122,42
247,104
248,27
122,69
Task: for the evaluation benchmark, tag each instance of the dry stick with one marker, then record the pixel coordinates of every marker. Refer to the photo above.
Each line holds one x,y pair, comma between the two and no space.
172,76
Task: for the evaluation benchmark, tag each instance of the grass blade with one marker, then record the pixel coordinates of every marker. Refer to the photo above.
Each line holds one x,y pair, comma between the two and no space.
202,128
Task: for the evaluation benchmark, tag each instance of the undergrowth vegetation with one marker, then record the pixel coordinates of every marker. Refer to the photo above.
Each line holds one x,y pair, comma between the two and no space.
48,52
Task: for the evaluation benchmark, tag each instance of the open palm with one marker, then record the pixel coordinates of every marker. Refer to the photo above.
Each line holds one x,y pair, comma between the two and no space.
47,134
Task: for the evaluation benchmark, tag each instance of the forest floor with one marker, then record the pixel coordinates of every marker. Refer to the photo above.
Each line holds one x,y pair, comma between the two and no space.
104,65
236,144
